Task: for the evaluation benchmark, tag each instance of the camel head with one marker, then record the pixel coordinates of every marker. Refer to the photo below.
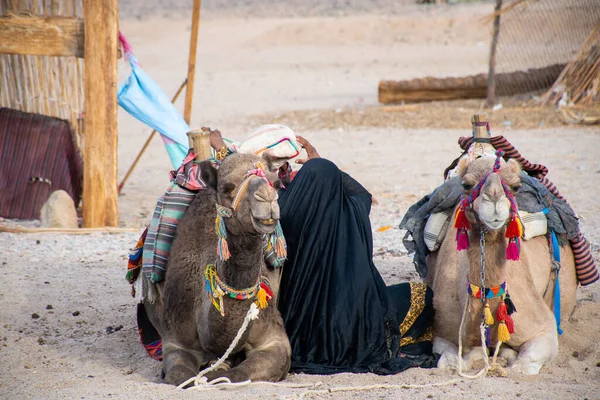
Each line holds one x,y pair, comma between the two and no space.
489,185
248,189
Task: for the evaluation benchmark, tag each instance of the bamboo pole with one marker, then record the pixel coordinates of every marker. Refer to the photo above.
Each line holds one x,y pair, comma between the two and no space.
189,92
491,85
100,148
147,142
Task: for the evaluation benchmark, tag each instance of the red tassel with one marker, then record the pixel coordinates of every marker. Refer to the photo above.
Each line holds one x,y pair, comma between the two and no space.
512,250
501,313
510,324
502,316
267,289
460,220
512,231
462,240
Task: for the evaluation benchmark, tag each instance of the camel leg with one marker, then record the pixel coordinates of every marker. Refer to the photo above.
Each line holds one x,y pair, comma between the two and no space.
536,352
269,362
179,363
448,353
508,353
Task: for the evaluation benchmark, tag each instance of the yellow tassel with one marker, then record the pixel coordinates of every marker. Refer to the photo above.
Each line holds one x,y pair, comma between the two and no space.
503,335
262,298
489,318
520,226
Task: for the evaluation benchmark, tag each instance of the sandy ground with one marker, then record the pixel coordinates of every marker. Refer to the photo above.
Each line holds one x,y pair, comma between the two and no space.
67,322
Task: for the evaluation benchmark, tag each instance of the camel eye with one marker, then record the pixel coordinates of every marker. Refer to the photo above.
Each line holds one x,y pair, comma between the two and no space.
467,186
515,188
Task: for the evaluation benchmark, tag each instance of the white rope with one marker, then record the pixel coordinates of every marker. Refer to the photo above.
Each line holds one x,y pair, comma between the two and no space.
460,347
487,367
200,381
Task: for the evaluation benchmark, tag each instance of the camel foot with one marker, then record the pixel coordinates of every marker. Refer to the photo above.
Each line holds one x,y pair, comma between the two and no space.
179,374
234,375
508,353
526,368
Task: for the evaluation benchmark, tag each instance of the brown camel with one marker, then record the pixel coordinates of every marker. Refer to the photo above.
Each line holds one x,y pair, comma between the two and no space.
535,339
196,328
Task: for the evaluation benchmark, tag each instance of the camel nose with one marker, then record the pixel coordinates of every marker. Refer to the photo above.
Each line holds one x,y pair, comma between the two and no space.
265,193
493,188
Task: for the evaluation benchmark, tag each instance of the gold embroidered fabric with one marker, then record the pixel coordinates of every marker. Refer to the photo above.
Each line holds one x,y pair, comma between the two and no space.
426,336
417,304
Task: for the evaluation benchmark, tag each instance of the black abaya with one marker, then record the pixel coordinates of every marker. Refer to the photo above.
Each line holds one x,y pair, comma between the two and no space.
338,313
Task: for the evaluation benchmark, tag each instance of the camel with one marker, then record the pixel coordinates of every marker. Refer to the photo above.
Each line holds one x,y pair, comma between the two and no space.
529,280
201,305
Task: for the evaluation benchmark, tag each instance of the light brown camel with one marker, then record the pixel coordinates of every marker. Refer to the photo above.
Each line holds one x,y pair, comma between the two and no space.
195,323
535,339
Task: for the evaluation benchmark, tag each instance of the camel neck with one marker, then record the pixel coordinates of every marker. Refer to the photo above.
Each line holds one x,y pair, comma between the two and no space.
495,262
243,269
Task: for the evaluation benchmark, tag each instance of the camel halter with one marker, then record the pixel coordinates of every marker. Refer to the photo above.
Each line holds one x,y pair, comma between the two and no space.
217,289
514,230
273,240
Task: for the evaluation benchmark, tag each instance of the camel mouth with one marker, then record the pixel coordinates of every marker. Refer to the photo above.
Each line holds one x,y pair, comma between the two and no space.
495,224
264,225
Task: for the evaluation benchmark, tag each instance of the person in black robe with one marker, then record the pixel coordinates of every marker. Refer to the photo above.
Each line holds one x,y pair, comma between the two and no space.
337,311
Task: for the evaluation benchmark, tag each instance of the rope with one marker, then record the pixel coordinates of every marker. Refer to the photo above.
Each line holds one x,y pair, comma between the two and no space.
198,381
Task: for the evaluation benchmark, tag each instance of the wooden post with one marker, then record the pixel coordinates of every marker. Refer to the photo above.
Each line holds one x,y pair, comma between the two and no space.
200,142
100,141
491,86
189,91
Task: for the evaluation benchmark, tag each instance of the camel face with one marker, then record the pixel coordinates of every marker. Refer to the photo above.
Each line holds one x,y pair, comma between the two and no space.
248,187
491,206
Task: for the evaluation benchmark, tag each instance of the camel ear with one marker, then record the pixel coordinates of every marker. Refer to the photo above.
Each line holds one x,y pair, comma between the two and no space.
270,160
461,168
208,173
514,166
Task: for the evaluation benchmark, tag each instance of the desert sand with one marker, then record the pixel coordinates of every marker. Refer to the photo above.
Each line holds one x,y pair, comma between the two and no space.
67,321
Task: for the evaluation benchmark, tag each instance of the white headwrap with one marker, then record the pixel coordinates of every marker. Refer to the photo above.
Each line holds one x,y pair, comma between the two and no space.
279,141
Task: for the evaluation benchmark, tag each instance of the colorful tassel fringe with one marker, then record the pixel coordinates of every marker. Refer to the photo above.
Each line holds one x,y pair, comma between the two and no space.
503,335
263,296
280,244
221,230
462,225
513,249
489,319
510,306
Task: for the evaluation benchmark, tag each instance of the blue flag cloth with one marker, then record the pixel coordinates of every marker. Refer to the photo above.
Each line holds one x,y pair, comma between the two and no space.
141,97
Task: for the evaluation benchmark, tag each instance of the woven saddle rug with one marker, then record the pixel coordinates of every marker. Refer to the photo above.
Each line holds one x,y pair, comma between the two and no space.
541,208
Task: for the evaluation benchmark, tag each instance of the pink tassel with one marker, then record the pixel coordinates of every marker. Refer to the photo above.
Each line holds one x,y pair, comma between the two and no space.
462,240
512,250
223,249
